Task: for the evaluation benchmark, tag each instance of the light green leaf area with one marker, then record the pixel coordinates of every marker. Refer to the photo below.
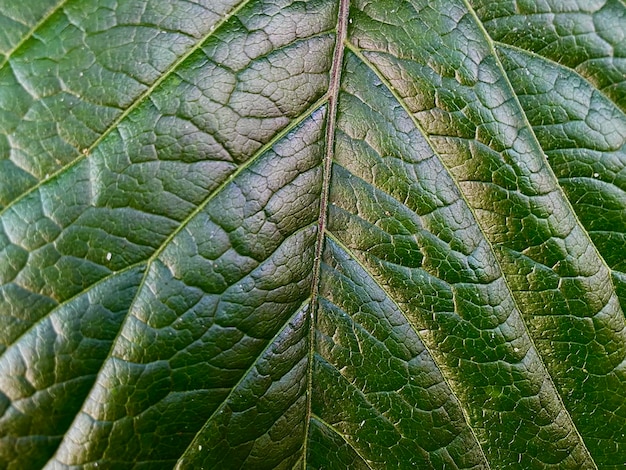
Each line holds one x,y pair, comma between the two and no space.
321,234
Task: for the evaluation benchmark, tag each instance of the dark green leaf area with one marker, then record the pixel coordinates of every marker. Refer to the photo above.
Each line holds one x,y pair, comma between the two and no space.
89,65
117,207
262,423
588,39
17,20
531,227
69,83
312,234
375,382
211,302
330,451
583,135
467,313
40,398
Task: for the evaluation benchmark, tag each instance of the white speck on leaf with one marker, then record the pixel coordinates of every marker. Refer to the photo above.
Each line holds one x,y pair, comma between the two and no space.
109,255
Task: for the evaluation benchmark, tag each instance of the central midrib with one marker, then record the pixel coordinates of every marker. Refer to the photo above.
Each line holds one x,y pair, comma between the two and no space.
331,117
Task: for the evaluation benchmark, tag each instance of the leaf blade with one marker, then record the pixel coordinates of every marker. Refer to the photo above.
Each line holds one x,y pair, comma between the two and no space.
368,235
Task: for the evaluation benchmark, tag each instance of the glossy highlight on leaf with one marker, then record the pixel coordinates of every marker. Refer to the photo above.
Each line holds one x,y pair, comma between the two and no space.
321,234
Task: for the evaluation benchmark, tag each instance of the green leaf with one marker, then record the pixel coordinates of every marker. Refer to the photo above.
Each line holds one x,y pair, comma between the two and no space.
320,234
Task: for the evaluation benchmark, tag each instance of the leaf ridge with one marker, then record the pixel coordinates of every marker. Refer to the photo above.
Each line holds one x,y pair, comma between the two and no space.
333,95
95,374
241,168
586,161
134,105
348,252
360,393
31,32
583,234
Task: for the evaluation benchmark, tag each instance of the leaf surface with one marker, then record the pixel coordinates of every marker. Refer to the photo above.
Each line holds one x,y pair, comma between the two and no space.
320,234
